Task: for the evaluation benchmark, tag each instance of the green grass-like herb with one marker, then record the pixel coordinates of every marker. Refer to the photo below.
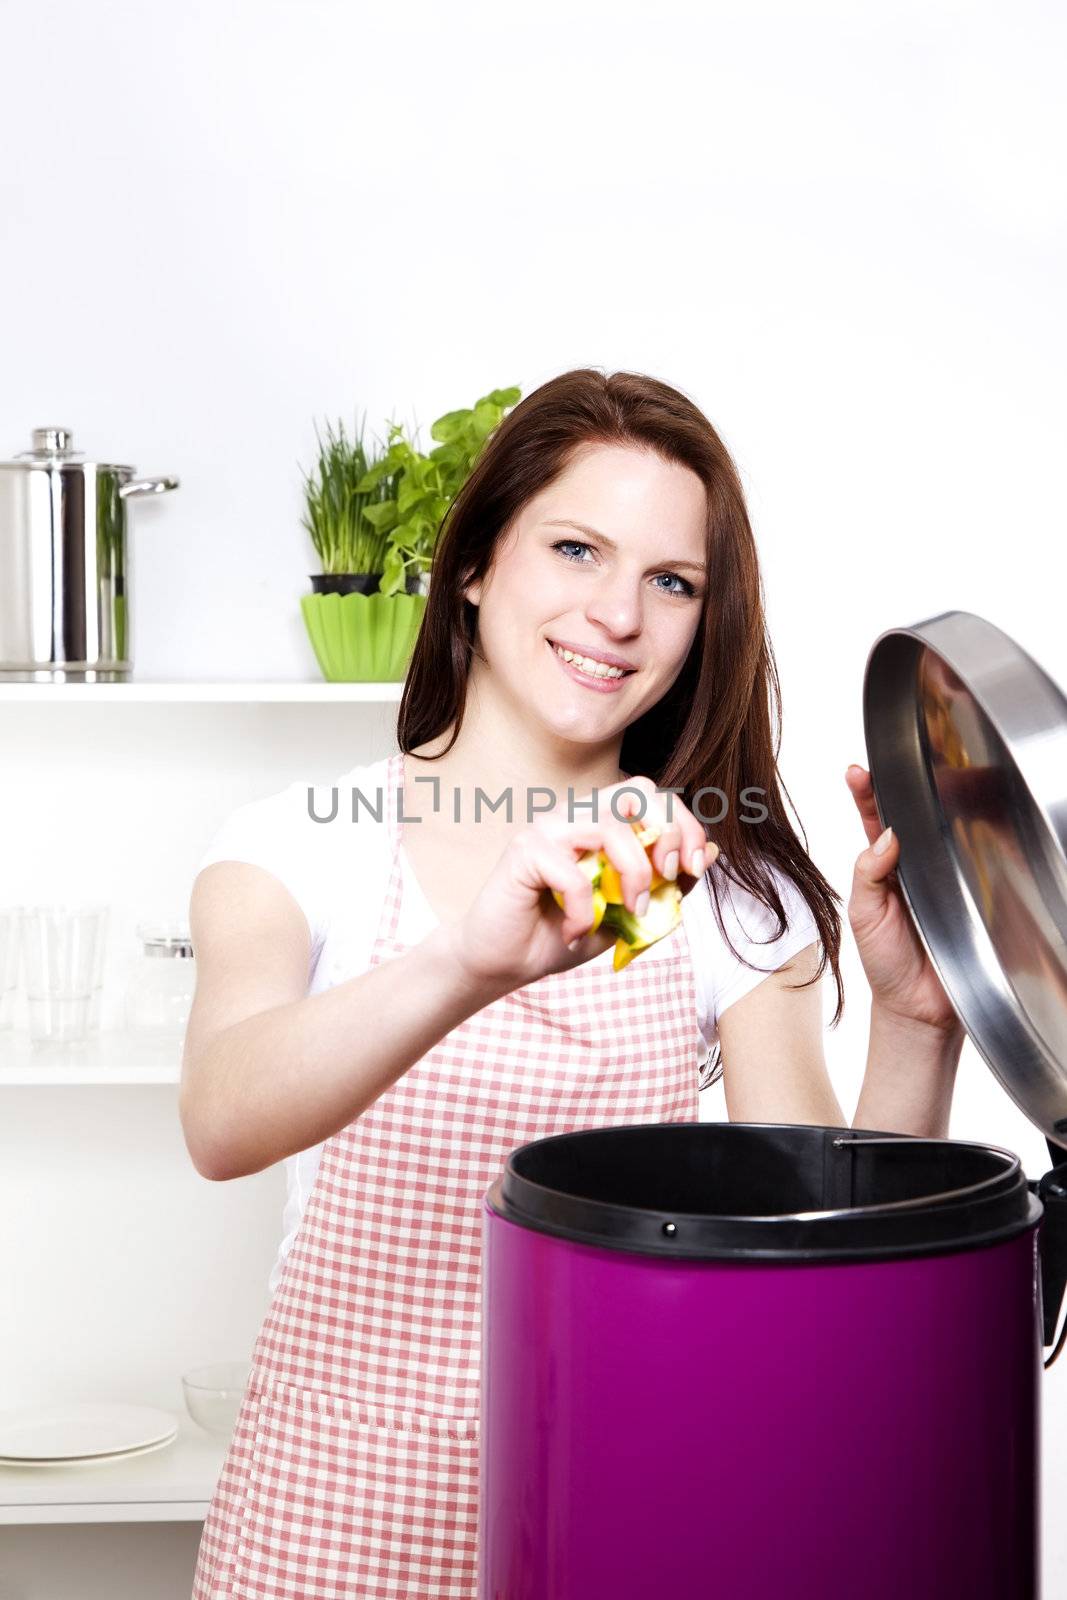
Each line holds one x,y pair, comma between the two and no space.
345,540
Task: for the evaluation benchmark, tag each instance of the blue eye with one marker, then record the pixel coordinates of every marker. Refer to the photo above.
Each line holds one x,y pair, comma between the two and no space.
687,589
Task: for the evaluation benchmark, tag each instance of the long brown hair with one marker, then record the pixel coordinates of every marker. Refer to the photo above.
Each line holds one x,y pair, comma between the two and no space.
719,724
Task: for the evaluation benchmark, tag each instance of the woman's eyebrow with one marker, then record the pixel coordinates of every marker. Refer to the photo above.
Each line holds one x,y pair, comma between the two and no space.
580,527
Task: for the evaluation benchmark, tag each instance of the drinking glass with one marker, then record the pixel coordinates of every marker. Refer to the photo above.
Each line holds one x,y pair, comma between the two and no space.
10,945
96,1000
61,945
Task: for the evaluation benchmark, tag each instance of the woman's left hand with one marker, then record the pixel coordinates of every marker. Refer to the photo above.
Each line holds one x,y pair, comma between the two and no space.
904,984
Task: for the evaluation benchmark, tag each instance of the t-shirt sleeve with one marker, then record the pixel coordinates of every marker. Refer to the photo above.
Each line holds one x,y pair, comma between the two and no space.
280,834
751,927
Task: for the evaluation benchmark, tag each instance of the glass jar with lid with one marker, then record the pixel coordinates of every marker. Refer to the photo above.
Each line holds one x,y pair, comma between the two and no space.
159,994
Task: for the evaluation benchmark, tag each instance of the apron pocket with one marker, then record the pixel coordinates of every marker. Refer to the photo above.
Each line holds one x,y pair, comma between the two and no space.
342,1505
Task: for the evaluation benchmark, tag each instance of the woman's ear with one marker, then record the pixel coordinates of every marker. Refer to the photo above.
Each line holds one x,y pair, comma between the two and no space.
473,592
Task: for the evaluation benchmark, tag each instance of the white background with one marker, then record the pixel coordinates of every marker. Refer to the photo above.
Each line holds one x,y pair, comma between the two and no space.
840,228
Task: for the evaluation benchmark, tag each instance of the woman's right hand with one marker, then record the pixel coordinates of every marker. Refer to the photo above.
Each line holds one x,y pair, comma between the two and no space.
515,933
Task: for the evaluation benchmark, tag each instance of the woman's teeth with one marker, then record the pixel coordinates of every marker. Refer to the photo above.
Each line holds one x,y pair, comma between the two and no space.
595,669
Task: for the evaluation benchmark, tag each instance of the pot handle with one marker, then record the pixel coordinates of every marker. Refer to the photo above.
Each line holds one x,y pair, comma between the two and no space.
147,486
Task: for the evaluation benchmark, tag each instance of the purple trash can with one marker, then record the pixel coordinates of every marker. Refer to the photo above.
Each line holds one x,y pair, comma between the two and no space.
757,1361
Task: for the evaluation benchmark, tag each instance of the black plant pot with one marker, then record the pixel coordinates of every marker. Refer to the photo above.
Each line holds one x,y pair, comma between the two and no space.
345,582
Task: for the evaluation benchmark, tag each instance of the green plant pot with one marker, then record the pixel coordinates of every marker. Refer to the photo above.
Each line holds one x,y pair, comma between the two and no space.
363,638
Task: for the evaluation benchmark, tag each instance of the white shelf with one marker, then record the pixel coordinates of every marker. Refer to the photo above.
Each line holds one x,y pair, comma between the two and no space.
193,693
172,1484
105,1058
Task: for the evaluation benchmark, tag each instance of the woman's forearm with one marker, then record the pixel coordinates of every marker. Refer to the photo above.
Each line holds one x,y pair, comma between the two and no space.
294,1075
910,1076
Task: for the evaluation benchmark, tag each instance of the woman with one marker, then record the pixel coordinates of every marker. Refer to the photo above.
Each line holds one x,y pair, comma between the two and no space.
594,628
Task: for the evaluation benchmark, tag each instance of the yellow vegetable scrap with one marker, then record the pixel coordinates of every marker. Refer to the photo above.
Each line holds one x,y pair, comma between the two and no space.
633,933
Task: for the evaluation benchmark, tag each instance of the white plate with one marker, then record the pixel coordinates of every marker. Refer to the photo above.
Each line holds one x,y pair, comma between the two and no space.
84,1461
81,1431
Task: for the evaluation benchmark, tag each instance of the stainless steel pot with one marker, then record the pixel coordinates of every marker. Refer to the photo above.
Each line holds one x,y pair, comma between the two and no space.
64,568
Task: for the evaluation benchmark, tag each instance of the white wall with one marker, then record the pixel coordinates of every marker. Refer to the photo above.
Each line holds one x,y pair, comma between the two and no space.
840,228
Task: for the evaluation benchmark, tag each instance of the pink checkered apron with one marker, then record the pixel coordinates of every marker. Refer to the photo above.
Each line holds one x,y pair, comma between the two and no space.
353,1467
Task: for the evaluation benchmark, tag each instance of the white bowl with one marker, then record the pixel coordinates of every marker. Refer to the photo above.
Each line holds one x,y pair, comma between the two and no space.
213,1395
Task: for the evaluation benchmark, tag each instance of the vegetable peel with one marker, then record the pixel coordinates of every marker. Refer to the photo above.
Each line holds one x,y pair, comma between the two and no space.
633,933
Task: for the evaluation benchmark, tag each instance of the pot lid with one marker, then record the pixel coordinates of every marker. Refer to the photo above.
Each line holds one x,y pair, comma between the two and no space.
967,748
54,447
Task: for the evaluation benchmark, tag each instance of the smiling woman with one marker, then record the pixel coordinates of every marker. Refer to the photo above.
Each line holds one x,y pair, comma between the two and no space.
394,1010
605,525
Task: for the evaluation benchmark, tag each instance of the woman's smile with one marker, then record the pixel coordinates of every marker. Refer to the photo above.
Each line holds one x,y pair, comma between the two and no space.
590,674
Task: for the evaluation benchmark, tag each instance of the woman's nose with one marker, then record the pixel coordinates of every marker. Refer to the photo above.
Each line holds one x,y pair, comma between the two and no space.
616,605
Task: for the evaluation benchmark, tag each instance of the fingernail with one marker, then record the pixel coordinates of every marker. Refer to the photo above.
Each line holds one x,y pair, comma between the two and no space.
670,866
642,903
882,843
696,863
855,767
575,943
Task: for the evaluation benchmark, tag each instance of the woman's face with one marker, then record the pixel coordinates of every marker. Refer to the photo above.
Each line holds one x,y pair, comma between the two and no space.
609,563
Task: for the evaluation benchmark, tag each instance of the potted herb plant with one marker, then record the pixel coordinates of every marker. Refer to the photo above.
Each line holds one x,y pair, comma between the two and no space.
375,523
357,633
349,547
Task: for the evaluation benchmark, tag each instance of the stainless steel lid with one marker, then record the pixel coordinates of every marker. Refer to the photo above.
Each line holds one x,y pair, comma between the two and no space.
967,748
54,447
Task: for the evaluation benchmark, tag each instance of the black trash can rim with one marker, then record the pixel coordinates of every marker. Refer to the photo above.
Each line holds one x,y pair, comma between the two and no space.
578,1185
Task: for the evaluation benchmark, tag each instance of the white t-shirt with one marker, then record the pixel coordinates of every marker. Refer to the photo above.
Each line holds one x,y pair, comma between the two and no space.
328,845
